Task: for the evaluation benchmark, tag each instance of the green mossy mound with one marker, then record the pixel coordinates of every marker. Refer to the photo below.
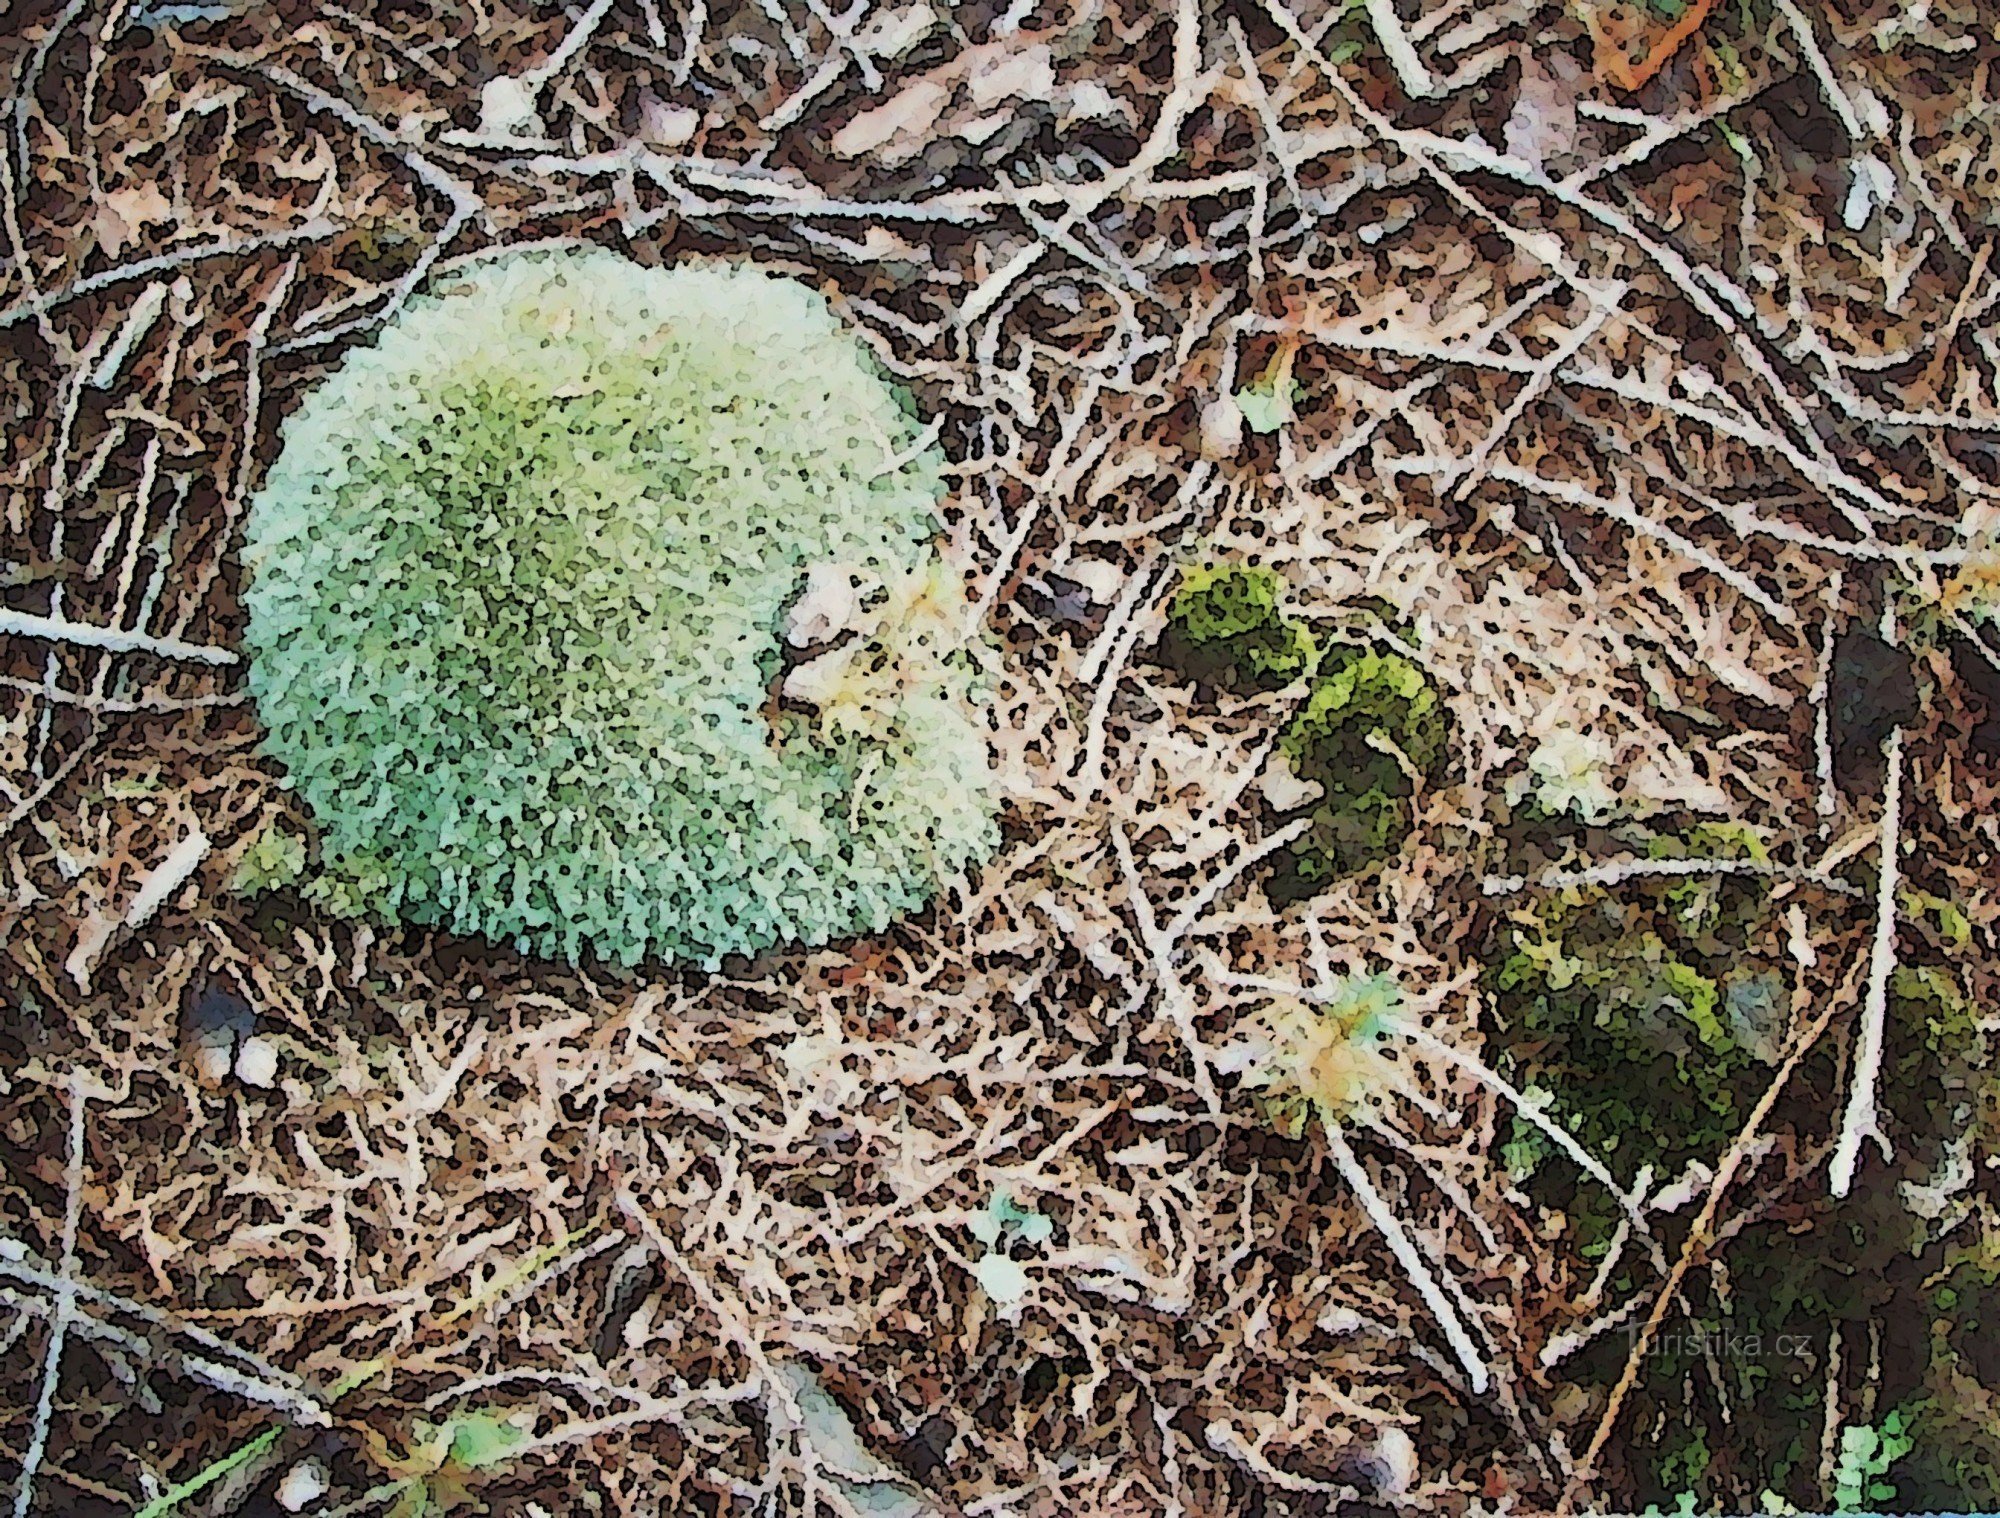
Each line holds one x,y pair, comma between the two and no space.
1647,1012
519,586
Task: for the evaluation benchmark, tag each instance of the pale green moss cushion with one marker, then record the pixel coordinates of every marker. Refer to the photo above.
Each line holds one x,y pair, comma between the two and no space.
518,585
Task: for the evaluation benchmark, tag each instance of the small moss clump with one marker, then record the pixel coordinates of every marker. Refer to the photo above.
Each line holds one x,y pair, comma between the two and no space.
522,589
1227,627
1372,724
1371,727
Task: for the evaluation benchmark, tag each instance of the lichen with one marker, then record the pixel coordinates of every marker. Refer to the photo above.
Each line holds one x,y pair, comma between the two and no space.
1570,772
517,584
1321,1062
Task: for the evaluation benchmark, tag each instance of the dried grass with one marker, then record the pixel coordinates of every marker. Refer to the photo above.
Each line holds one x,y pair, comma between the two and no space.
1606,427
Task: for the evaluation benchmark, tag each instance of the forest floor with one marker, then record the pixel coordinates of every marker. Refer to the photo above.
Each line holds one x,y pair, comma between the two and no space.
1632,367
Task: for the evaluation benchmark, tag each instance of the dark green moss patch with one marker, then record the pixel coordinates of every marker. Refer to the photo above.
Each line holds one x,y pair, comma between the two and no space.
1653,1014
1955,1418
1372,725
1370,729
1648,1013
1933,1080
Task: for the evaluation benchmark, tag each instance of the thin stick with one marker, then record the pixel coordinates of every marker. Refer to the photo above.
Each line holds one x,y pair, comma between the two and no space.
31,76
116,706
1415,79
174,1496
1829,1437
21,624
319,229
280,1387
1829,83
1246,861
224,1378
1549,1128
1657,135
1626,515
573,43
1861,1118
1475,464
173,872
1948,335
1628,76
1698,1239
1173,990
1825,803
1356,1176
71,1478
1618,872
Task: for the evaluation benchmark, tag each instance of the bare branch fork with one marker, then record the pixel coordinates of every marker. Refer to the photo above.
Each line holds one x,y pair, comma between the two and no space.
1436,155
464,199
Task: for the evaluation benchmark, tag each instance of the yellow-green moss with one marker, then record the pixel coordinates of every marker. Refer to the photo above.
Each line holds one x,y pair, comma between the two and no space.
1227,627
